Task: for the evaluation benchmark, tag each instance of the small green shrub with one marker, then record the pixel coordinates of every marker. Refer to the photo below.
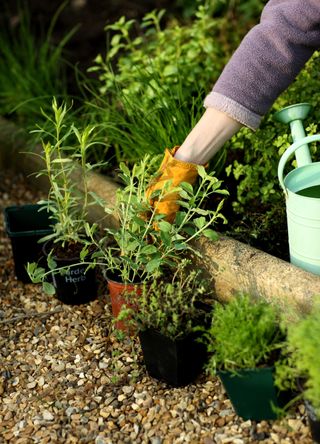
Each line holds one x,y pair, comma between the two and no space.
243,334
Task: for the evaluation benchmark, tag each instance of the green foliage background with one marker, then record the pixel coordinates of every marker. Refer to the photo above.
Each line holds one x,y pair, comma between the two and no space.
147,93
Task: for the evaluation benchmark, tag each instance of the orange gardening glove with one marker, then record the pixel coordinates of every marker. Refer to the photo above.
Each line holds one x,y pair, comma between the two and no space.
176,171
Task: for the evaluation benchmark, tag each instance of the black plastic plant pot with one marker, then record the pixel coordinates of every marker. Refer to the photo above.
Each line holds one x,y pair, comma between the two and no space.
314,422
253,393
176,362
25,226
75,285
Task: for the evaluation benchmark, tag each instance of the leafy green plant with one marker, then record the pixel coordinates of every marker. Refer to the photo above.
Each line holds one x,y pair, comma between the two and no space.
144,244
170,305
302,360
68,196
31,70
243,334
152,86
65,159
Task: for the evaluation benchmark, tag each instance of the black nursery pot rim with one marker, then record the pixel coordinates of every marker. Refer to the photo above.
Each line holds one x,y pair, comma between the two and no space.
8,211
46,251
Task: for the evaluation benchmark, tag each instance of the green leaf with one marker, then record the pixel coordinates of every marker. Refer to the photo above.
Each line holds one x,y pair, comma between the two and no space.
84,252
123,167
165,238
153,265
48,288
180,216
149,249
202,171
62,160
139,221
131,246
51,263
165,226
211,234
187,187
180,246
189,230
200,222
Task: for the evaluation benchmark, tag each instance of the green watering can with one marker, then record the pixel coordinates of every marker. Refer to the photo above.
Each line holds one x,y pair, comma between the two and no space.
302,191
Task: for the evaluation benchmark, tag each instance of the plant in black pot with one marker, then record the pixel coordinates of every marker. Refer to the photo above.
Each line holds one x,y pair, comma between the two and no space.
145,246
302,366
169,312
68,200
245,340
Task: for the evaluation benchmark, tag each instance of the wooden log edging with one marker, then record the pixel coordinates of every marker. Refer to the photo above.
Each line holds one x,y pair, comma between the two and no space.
236,267
231,266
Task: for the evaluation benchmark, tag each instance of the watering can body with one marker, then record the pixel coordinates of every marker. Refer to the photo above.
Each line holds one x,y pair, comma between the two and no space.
302,191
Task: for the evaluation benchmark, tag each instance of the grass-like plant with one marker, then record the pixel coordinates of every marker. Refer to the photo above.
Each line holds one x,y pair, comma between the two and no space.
169,304
243,334
32,69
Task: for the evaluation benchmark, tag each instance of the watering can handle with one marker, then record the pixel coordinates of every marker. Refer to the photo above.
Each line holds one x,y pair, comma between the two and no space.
289,152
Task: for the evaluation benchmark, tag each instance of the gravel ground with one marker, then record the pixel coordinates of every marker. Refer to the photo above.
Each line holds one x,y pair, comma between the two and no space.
66,378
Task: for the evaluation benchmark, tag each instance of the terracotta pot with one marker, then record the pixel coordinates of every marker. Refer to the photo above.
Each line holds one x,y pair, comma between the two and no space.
117,290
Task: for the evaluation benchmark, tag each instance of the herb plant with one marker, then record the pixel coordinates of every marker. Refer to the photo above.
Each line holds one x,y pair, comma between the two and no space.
67,170
144,244
302,356
243,334
169,306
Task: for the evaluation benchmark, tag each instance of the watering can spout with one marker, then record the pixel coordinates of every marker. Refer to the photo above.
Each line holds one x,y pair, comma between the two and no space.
294,115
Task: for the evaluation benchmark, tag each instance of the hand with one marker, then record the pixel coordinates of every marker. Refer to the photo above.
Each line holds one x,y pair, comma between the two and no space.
175,171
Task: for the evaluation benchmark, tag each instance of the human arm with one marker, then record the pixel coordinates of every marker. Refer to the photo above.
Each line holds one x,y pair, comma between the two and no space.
266,62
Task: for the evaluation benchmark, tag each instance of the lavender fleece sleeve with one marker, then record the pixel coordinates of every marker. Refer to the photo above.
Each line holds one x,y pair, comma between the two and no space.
267,60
